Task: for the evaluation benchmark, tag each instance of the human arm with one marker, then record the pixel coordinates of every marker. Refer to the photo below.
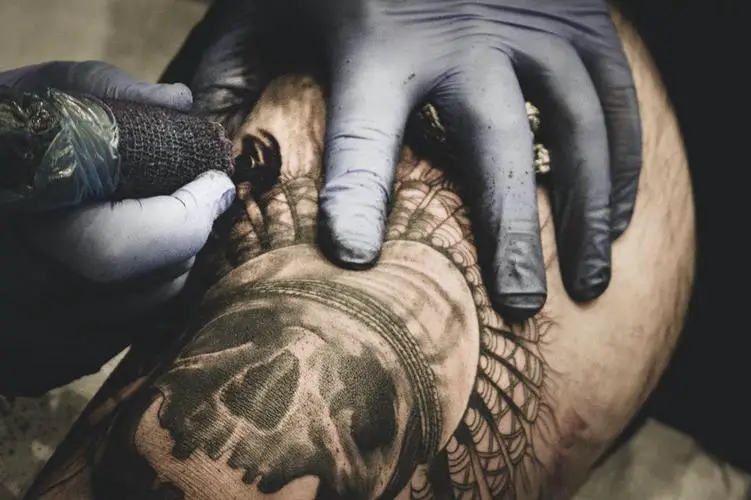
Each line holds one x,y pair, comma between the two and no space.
552,391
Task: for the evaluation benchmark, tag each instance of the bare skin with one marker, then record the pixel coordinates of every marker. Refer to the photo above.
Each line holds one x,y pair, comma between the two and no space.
293,379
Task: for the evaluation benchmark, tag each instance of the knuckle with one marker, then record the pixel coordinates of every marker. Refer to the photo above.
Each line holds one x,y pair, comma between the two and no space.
355,143
358,182
479,54
357,134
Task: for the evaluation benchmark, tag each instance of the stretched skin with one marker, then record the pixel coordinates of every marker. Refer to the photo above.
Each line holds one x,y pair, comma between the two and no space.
291,378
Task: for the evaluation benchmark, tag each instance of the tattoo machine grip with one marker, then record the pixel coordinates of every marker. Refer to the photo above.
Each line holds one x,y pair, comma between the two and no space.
59,150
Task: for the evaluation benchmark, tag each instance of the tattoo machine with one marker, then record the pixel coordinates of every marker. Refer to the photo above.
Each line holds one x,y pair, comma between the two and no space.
58,149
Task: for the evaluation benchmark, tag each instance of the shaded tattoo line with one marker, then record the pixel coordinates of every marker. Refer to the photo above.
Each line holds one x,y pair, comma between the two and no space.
501,470
485,413
504,456
462,253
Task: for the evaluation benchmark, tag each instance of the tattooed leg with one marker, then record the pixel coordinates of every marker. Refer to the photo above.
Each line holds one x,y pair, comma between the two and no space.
292,378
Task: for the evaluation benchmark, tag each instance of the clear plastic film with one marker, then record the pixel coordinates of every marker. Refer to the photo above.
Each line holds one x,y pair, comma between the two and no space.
56,150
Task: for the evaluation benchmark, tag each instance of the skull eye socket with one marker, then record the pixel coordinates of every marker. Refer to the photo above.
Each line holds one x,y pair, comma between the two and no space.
257,324
264,394
370,395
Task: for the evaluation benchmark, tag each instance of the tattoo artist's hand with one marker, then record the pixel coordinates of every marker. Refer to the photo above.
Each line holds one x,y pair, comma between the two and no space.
137,253
476,62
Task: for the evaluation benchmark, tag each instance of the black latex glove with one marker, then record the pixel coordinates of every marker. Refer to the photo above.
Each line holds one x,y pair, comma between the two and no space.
476,62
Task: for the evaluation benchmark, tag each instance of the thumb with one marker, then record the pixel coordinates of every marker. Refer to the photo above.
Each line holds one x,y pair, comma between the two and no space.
113,242
366,119
207,197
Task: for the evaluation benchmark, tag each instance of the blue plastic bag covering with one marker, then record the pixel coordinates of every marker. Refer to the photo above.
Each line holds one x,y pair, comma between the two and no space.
81,162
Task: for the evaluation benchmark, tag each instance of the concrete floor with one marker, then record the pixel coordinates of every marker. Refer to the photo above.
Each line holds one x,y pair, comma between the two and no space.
141,36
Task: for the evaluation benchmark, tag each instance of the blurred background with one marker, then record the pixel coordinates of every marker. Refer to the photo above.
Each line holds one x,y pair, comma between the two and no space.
656,461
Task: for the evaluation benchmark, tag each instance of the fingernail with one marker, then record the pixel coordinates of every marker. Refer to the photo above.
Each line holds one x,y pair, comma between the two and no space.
351,249
220,188
172,95
620,218
226,200
593,286
356,253
350,241
352,223
521,307
182,97
619,227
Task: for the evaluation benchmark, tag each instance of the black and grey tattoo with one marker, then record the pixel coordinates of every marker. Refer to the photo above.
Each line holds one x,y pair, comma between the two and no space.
396,381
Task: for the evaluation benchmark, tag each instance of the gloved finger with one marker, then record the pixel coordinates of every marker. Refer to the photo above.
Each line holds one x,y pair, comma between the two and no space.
229,58
485,112
229,80
108,81
102,80
203,35
611,74
367,113
113,242
573,129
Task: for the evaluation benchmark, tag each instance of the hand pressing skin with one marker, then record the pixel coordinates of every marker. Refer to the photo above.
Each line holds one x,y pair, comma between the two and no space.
135,253
476,62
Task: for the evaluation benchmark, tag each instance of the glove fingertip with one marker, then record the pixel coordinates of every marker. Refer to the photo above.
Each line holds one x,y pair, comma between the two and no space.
174,95
592,287
350,251
620,224
621,216
349,243
213,191
519,307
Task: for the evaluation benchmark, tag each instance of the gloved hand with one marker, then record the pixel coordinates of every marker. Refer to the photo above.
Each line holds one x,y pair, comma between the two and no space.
130,255
476,62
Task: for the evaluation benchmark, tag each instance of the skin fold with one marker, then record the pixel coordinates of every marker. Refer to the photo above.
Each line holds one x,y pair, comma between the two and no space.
282,376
